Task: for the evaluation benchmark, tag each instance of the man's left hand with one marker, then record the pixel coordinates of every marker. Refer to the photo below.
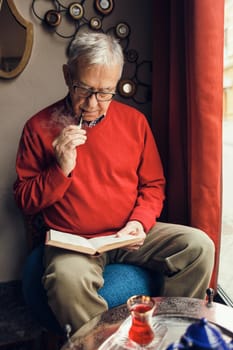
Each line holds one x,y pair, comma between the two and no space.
134,228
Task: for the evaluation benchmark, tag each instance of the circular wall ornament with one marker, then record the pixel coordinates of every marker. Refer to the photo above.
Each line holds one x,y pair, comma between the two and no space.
126,88
76,10
104,6
122,30
52,18
95,23
131,56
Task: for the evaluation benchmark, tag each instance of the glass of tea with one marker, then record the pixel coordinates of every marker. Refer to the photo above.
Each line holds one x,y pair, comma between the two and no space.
141,308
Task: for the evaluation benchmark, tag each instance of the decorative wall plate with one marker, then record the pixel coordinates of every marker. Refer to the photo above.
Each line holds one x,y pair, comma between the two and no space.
52,18
131,56
122,30
104,6
76,10
95,23
126,88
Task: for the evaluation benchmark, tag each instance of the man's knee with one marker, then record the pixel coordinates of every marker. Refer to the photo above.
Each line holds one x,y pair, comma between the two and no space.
201,242
191,246
198,255
65,278
207,251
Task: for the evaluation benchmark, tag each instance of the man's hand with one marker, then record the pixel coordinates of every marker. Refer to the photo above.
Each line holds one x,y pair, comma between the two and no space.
65,147
133,228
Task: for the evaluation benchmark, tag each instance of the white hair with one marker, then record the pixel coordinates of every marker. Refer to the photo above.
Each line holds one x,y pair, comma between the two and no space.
96,48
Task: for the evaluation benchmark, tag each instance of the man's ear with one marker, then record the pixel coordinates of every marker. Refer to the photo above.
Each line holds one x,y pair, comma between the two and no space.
66,73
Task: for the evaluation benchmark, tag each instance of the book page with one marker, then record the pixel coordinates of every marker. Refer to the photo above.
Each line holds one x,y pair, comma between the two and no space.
68,238
113,240
85,245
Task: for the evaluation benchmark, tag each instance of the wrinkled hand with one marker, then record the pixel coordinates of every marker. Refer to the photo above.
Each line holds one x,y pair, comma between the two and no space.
65,147
133,228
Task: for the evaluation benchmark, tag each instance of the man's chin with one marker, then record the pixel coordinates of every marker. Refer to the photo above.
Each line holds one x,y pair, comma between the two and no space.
90,116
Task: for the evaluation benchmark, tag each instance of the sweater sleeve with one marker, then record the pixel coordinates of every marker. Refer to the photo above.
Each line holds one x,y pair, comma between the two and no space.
40,182
151,185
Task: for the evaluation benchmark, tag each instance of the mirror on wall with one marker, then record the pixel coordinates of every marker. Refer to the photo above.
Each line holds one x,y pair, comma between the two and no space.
16,38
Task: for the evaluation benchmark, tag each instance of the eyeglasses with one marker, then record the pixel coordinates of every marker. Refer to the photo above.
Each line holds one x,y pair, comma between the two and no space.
101,96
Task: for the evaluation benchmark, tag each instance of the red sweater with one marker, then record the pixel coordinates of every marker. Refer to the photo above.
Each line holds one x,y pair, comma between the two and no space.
118,175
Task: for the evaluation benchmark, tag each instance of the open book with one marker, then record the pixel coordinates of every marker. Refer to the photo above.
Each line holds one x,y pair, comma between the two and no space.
89,246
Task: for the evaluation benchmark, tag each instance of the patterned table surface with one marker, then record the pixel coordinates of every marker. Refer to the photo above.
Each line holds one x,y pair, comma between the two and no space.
173,315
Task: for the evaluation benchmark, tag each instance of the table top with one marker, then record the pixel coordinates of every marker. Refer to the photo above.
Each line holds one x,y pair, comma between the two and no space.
171,317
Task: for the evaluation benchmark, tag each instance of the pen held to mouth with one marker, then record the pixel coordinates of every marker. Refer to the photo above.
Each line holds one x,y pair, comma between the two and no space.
80,122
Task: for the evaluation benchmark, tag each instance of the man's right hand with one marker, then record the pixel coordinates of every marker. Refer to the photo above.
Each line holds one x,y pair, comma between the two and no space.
65,147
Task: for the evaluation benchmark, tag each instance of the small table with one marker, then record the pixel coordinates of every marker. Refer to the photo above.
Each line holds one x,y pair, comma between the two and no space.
176,314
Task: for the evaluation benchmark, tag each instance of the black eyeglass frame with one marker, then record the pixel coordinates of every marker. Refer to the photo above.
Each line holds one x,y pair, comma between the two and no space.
86,93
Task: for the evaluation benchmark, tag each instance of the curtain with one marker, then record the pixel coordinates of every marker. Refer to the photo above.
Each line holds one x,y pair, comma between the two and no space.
187,111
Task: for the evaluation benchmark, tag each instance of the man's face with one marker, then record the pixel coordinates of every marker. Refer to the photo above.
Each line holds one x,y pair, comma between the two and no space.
93,78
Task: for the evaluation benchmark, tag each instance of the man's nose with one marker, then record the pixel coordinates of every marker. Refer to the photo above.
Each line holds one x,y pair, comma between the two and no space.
92,100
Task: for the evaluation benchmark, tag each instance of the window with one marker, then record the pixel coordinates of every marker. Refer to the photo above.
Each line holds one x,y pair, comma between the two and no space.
225,280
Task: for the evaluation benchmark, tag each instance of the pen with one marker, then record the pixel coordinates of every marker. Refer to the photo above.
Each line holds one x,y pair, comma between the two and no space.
80,122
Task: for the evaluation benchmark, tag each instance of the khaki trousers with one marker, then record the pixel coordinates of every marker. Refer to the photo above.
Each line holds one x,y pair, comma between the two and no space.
185,255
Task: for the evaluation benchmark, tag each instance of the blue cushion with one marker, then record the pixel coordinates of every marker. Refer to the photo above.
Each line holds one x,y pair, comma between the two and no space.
124,280
121,282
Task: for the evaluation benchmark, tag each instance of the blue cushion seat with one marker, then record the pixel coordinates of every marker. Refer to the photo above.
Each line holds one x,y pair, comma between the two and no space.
121,281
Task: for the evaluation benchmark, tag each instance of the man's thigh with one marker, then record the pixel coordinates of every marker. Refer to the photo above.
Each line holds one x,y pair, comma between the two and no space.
65,264
167,248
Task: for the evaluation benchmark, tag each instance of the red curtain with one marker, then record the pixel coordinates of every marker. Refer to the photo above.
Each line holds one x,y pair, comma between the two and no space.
187,110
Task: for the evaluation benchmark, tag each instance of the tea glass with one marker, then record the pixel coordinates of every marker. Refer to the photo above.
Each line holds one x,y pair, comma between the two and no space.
141,308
